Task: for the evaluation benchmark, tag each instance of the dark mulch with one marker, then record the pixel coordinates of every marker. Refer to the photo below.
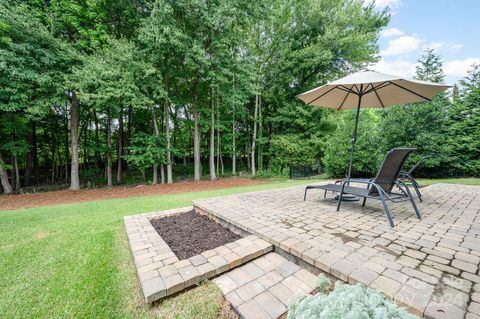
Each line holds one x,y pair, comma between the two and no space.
190,233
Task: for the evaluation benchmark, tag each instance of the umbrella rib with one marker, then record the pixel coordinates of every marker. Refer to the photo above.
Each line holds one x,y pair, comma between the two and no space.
380,86
321,95
344,88
367,89
343,101
378,97
358,91
413,92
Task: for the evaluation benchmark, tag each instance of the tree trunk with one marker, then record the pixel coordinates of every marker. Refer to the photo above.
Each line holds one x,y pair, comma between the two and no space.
67,152
85,137
218,138
74,121
35,154
129,133
254,136
13,179
162,173
212,141
221,164
196,134
29,167
155,174
167,136
129,126
260,132
7,188
109,151
98,156
234,151
155,133
17,174
120,147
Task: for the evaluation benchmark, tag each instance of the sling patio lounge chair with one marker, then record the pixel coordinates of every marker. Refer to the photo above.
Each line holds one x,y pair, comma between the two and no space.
380,187
407,176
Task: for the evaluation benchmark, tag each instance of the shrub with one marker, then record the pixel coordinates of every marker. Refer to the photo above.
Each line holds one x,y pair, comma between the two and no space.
347,302
368,153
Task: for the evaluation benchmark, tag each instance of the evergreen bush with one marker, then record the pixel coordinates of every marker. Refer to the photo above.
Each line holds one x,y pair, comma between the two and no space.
346,302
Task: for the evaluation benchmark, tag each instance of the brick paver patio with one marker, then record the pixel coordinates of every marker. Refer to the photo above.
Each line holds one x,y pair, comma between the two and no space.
430,266
264,287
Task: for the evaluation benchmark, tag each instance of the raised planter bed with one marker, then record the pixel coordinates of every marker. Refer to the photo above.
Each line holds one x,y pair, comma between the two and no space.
161,272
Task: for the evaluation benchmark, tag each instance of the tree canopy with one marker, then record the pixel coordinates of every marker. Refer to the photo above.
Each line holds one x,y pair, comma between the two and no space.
175,89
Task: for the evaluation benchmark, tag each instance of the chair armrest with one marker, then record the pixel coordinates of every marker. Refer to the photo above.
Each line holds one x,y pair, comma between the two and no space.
357,180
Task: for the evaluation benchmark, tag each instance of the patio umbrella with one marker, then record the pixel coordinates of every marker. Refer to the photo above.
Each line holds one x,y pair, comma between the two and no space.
370,89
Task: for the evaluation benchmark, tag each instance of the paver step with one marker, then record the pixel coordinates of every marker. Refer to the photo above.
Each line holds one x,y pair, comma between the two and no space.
265,287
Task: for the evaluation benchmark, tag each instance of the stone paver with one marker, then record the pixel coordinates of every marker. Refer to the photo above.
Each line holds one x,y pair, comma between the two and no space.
429,266
162,274
268,295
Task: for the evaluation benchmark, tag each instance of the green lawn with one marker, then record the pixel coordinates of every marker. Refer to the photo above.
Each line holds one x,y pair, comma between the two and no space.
465,181
73,261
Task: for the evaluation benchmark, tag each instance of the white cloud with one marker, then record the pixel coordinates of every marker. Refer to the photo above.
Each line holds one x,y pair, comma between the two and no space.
398,67
391,32
401,45
459,68
388,3
449,47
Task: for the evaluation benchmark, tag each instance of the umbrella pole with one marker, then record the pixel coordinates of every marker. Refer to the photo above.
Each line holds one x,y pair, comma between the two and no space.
354,137
349,197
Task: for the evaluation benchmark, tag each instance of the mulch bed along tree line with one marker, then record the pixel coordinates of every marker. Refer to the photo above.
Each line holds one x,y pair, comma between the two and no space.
86,195
189,234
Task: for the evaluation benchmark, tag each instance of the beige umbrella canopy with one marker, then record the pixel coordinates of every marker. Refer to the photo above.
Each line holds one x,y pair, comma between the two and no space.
370,89
373,89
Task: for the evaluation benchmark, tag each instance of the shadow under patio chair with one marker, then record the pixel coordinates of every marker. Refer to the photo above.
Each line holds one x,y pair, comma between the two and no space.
380,187
407,176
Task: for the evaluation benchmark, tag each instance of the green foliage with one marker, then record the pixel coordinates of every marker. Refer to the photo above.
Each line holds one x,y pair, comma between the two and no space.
347,302
464,122
33,62
146,150
290,150
368,155
323,283
421,125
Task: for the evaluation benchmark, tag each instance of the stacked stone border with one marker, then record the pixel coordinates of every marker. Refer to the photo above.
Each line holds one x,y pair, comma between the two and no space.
162,274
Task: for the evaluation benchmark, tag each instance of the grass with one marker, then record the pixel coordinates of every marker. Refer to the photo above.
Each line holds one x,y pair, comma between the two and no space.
464,181
73,261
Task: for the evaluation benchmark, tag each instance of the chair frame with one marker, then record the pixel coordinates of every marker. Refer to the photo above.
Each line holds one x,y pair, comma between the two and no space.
373,183
409,176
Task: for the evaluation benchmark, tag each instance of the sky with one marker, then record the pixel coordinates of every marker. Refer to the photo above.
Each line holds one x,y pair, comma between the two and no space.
451,27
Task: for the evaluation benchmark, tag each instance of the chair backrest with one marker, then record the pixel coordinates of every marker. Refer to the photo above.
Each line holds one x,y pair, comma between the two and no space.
391,166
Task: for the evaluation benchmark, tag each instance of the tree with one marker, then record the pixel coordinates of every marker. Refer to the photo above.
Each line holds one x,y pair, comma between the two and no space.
32,72
145,151
464,126
421,125
367,152
110,81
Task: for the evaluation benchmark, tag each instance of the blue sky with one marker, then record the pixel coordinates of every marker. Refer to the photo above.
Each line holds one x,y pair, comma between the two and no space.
451,27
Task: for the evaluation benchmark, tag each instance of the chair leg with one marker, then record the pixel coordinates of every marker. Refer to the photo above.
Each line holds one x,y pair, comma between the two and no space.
417,212
340,197
364,201
305,195
415,187
387,211
325,194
